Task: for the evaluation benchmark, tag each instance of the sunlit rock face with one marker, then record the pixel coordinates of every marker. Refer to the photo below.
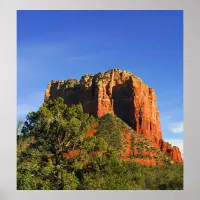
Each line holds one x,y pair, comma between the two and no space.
118,92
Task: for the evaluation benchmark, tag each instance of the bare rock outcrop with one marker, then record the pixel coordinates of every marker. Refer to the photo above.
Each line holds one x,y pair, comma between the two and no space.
118,92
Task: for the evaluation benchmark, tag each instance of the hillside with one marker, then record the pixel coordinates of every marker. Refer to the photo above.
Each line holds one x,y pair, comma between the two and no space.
121,93
62,148
129,145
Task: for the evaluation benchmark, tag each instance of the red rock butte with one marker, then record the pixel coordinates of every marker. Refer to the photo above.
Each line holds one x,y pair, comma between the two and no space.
121,93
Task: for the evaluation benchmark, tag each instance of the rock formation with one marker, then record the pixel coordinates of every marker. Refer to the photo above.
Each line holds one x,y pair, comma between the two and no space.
121,93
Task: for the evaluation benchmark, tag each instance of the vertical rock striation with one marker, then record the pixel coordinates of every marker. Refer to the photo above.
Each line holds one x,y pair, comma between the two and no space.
118,92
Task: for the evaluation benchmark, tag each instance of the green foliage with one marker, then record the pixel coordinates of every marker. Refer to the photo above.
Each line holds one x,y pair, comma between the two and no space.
168,177
56,129
110,130
55,125
33,173
94,144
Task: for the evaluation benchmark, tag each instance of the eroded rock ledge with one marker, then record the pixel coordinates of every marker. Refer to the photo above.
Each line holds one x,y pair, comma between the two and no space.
119,92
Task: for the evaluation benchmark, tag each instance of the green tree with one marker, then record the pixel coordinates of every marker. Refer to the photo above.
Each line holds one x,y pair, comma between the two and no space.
56,128
19,126
110,130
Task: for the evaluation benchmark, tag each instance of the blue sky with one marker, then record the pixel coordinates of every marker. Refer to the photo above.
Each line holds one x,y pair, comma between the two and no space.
56,45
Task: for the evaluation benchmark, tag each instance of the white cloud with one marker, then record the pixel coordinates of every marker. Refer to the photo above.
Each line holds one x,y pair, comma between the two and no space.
176,127
177,143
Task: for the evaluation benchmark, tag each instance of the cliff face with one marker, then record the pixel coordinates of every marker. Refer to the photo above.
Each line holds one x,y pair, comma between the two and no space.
118,92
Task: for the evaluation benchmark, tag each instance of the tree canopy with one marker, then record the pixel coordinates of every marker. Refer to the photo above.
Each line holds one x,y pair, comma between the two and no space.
53,153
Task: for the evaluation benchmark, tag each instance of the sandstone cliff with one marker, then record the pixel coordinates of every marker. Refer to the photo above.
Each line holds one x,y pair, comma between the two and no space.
121,93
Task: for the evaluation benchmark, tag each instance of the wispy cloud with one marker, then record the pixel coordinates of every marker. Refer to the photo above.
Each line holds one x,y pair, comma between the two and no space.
176,127
172,121
24,109
31,103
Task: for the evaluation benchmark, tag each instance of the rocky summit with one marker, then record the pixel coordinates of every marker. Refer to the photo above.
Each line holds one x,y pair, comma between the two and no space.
121,93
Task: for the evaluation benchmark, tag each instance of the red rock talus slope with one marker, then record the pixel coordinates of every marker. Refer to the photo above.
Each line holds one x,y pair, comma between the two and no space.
119,92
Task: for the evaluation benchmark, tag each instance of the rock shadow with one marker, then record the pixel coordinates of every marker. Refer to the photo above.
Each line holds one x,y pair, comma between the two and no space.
123,100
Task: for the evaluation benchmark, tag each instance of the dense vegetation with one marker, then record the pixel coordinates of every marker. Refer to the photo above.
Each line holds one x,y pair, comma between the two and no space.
49,134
